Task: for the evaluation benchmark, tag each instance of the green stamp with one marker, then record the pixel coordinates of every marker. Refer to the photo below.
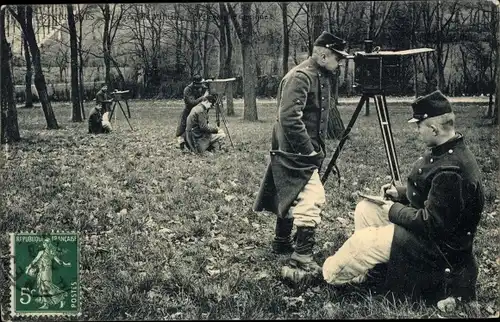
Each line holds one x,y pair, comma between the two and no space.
46,271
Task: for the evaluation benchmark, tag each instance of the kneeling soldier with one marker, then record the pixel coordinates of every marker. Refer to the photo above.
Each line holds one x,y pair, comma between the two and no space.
200,136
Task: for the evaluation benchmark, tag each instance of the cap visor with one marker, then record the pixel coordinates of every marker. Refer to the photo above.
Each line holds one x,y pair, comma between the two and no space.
413,120
343,53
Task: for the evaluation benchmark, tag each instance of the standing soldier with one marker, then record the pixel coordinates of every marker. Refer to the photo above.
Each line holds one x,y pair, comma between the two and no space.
291,187
194,94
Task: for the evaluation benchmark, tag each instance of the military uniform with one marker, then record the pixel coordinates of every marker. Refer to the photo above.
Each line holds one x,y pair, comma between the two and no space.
200,135
193,94
429,255
96,125
102,98
434,231
291,187
300,128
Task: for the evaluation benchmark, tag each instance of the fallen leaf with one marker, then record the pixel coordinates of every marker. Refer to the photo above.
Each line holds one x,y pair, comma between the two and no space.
342,221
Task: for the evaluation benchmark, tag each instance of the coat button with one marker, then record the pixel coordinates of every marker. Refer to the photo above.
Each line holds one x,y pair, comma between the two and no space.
432,160
419,171
319,74
322,85
323,98
468,233
450,151
322,108
414,194
273,153
415,184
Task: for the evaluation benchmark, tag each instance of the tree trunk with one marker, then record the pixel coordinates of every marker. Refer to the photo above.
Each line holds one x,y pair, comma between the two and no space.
317,20
106,44
205,48
75,96
9,130
286,38
25,20
249,61
29,75
228,62
222,43
496,115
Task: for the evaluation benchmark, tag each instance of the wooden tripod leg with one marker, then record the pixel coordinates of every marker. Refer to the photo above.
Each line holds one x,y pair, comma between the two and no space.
345,134
126,118
385,128
112,111
128,108
225,125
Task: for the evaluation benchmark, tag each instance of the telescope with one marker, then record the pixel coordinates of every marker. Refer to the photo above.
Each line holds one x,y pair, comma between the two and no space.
376,74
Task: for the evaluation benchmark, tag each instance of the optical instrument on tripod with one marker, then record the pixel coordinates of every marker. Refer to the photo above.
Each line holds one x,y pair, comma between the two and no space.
217,87
117,97
377,73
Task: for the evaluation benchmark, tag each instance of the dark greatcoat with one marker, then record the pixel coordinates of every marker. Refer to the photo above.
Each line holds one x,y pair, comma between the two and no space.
446,198
192,97
198,131
95,121
303,101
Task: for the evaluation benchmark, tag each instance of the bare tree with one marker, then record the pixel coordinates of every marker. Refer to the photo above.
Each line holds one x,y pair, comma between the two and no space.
9,131
24,17
111,18
75,96
29,75
244,30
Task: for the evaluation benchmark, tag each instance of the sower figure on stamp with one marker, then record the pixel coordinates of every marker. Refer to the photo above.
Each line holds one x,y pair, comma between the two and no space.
99,115
194,94
291,187
41,266
424,234
200,136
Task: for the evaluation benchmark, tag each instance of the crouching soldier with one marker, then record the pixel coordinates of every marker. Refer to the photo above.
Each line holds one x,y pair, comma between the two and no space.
423,237
291,187
200,136
98,121
194,94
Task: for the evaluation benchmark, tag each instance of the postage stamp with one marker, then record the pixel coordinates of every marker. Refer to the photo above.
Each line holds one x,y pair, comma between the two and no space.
46,271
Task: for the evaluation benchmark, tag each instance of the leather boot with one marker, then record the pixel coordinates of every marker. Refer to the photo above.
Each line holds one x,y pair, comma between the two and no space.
302,257
282,243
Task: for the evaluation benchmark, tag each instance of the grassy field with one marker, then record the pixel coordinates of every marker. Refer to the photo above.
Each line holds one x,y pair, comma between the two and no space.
171,235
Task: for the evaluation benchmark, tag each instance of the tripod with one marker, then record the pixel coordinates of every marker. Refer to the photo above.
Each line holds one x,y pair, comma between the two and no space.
385,128
116,101
218,113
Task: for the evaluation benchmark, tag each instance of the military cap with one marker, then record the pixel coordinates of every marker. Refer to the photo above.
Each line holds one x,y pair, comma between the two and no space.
430,105
211,98
197,79
331,42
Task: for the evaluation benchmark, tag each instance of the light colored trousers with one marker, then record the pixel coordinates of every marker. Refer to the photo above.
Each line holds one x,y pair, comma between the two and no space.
306,208
369,245
105,121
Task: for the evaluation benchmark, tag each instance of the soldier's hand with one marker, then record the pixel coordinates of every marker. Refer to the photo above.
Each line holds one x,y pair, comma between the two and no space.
389,190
